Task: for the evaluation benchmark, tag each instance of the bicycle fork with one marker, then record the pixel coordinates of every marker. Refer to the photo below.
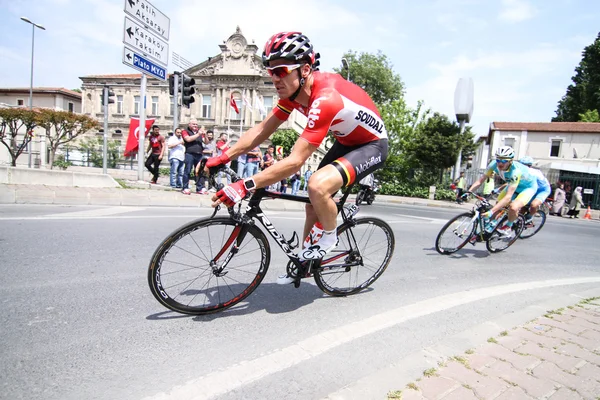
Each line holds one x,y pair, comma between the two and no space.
233,243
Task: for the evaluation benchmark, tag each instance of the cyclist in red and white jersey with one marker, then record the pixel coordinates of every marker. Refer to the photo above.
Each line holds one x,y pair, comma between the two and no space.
330,103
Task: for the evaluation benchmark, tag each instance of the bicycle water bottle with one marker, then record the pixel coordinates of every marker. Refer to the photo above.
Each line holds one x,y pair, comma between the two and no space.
491,225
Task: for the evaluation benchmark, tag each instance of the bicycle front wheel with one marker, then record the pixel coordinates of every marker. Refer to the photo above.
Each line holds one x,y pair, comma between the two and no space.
538,220
497,243
360,197
456,233
363,253
200,268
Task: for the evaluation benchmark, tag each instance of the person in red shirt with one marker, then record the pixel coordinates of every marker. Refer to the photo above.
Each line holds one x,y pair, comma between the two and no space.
330,103
156,147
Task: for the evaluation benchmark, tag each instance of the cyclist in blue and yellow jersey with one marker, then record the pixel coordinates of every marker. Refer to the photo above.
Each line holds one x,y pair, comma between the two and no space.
543,190
520,184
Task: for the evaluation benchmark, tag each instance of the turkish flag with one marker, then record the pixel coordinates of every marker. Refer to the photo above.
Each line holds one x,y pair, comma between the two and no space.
133,139
233,104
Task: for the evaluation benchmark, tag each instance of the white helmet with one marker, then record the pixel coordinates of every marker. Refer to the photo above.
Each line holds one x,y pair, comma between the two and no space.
505,152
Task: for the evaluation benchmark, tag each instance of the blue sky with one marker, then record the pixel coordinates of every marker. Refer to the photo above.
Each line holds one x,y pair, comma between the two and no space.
521,54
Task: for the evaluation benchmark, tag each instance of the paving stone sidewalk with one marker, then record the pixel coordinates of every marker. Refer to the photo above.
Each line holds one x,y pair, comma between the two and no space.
556,356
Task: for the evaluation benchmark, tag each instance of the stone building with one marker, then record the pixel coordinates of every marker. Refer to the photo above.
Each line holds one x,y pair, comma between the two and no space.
237,71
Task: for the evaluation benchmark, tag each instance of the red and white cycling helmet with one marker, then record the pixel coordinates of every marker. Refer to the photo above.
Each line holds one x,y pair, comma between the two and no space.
293,46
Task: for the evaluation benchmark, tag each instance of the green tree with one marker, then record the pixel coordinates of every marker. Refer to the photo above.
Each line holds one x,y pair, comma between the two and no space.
434,147
92,146
285,138
13,120
589,116
374,73
584,93
62,127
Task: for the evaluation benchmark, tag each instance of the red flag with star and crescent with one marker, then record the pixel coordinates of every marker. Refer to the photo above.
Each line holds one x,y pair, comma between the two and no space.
233,104
133,139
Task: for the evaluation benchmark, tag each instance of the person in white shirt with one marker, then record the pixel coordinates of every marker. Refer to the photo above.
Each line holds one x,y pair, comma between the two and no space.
176,158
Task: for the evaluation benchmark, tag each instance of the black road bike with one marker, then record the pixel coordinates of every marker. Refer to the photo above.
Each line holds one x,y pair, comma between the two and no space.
470,227
211,264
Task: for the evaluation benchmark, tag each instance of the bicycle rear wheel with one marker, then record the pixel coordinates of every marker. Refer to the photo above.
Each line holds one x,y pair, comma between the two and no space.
363,253
360,197
199,270
497,243
537,222
455,234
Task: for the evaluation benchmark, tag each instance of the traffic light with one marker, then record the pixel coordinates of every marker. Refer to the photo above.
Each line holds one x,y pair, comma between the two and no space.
109,93
172,84
187,90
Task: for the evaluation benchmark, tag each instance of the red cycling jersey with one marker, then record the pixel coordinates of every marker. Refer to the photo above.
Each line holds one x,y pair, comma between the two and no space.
337,105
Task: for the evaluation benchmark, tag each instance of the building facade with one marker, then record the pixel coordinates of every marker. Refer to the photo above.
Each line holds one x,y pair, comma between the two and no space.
237,72
59,99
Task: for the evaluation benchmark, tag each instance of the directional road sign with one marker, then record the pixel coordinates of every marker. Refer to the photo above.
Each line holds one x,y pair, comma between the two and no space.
145,42
139,62
149,16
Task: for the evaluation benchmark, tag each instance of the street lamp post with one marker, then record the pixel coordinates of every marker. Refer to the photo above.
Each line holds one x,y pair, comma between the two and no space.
33,26
463,108
346,66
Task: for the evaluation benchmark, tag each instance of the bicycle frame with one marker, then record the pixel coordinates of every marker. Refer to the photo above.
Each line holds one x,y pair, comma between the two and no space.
254,212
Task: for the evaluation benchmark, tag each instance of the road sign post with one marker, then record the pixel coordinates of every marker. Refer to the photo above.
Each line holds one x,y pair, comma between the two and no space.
146,36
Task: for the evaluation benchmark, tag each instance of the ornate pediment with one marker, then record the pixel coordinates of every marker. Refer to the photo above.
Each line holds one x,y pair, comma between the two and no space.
237,57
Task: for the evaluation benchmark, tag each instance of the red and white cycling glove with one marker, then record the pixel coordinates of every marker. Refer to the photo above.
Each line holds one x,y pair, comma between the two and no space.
232,194
216,161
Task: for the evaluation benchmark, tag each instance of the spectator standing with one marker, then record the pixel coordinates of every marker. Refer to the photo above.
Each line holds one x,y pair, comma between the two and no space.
488,185
176,159
295,180
222,145
210,150
460,187
576,203
269,158
253,161
307,176
156,148
194,145
241,165
559,199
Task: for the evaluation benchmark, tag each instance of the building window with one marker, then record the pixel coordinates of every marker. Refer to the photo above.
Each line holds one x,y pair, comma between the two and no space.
20,102
268,104
154,105
206,101
119,104
555,148
71,107
136,105
509,141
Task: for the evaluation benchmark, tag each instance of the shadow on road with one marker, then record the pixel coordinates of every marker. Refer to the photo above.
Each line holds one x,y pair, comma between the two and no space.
462,253
270,297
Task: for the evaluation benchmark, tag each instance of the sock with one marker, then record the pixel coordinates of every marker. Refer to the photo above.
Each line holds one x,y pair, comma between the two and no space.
328,239
509,224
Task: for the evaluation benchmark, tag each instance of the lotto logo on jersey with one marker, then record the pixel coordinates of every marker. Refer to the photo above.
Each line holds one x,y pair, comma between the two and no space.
370,120
313,113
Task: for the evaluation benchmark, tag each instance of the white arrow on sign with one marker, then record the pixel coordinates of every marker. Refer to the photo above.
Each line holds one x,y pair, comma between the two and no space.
145,42
149,16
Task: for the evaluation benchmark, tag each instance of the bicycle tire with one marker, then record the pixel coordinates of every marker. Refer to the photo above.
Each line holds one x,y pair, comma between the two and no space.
494,238
464,235
370,199
185,256
356,262
537,225
359,197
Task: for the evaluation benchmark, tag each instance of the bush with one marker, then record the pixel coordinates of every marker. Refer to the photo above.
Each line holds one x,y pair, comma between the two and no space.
61,163
406,189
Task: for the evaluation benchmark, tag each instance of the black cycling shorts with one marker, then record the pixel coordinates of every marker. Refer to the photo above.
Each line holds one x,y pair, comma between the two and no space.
356,162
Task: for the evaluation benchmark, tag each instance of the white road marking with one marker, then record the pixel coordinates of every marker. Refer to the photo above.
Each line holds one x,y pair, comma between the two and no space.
245,372
429,219
98,212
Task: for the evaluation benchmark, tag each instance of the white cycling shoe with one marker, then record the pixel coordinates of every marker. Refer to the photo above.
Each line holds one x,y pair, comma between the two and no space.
314,252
